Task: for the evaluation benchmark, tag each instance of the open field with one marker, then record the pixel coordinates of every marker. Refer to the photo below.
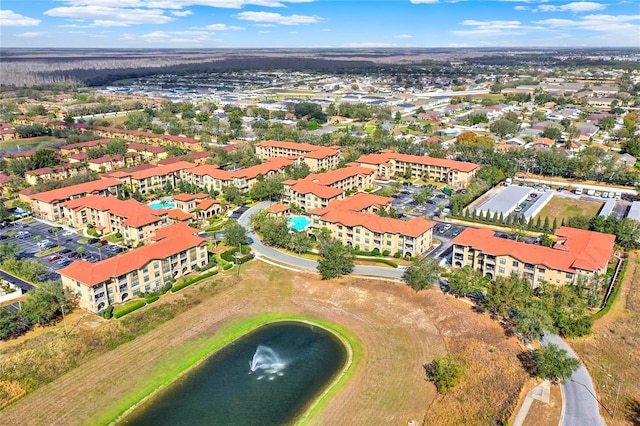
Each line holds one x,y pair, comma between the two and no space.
398,331
564,208
614,349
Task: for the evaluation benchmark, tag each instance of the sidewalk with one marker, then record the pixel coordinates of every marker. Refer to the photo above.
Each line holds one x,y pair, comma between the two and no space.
541,392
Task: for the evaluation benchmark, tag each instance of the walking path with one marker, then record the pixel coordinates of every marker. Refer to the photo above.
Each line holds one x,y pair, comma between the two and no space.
541,392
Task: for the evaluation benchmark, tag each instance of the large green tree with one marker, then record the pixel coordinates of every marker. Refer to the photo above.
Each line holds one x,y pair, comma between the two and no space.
338,260
46,303
444,373
554,363
465,281
423,273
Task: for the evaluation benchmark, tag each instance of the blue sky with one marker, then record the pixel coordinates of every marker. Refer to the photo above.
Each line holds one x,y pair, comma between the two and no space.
319,23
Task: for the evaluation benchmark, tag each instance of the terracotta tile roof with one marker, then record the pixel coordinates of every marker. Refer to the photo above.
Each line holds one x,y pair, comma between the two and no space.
273,165
279,208
574,254
80,157
161,170
309,150
178,214
88,144
169,241
4,178
385,156
206,204
322,191
333,176
135,214
106,159
80,189
211,170
413,228
358,202
141,147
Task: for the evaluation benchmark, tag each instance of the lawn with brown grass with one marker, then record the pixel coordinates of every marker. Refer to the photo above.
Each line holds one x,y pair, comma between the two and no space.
564,208
614,349
398,331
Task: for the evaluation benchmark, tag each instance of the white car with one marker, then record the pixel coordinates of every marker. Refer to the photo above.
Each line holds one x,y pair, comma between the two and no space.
605,195
67,233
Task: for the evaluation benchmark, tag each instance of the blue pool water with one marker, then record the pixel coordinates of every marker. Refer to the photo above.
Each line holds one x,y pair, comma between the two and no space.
298,223
160,205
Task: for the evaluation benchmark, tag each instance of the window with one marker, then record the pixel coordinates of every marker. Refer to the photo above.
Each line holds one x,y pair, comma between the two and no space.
541,270
568,276
503,261
388,243
146,278
501,270
515,264
157,274
540,279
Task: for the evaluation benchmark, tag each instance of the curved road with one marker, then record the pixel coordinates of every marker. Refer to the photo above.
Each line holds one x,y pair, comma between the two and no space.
580,405
268,252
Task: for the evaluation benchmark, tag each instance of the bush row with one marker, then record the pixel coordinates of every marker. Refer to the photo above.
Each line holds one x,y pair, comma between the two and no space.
229,255
614,294
127,308
193,280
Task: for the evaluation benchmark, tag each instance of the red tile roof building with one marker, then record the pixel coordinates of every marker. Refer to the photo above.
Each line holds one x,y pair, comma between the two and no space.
175,251
355,222
576,256
387,163
317,157
318,189
46,205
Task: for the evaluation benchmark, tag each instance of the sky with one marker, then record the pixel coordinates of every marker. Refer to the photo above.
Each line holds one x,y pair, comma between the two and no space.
318,23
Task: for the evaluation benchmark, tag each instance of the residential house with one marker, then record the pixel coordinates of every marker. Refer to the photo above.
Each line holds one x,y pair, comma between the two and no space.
317,157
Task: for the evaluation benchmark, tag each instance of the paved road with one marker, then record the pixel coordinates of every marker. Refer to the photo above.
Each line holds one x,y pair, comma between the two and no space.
581,407
24,285
270,253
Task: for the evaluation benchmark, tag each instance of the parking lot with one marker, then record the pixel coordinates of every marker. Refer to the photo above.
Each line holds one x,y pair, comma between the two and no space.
404,203
66,238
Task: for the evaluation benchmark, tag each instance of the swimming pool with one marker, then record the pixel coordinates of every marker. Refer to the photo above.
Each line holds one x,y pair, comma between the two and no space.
166,203
298,223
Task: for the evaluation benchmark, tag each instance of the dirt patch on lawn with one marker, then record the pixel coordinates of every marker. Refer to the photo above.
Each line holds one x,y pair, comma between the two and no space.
612,352
399,331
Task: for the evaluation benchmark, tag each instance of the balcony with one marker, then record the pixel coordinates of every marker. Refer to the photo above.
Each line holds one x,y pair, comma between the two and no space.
458,256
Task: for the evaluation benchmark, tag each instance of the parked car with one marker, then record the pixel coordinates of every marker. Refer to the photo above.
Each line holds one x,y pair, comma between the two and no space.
447,226
103,242
43,243
64,261
67,233
23,234
65,251
93,241
72,254
54,257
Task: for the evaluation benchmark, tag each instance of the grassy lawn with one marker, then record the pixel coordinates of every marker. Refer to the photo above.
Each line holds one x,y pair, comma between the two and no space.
613,350
564,208
84,240
49,251
392,330
27,142
112,238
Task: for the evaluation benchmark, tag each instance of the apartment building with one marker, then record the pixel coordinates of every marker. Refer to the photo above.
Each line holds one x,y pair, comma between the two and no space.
456,174
200,205
175,251
354,221
47,205
576,256
54,173
319,189
154,178
136,222
316,157
212,177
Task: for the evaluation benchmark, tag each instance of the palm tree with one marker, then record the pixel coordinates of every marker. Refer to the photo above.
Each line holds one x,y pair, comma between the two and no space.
56,232
99,247
80,251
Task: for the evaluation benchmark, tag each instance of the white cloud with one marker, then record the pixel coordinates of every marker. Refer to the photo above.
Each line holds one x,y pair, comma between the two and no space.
493,28
223,27
264,32
31,34
169,37
424,1
602,23
179,4
521,8
326,30
369,44
575,7
403,36
276,18
293,32
182,13
104,16
11,19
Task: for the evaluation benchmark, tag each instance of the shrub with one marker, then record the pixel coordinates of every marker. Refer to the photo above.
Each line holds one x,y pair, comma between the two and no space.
107,313
227,266
128,307
386,253
229,255
375,252
444,372
118,234
193,280
397,255
152,298
384,261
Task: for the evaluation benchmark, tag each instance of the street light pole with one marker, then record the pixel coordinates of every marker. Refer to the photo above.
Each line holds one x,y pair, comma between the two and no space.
64,320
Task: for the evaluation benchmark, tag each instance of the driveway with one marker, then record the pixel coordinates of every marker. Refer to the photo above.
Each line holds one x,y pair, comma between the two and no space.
581,407
262,250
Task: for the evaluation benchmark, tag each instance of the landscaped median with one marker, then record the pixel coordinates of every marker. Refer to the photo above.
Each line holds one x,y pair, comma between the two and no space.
198,350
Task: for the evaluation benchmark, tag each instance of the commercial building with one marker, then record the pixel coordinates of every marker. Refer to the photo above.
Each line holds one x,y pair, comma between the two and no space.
355,222
456,174
175,251
576,257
